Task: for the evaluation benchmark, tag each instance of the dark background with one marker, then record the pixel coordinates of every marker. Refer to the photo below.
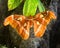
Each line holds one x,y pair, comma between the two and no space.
51,38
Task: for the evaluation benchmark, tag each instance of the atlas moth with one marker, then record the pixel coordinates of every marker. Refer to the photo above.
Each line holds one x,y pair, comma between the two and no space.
23,24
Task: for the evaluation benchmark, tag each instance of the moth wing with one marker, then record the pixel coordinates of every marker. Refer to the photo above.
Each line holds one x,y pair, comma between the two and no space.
39,30
18,22
24,31
52,14
8,20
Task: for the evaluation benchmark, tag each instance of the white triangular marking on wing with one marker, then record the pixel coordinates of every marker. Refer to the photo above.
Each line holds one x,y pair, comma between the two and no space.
25,31
38,29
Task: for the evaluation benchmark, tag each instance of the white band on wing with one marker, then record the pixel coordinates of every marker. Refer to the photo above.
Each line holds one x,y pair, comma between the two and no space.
39,27
25,31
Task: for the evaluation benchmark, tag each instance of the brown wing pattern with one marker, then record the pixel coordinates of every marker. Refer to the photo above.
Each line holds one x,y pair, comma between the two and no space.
22,24
19,23
42,21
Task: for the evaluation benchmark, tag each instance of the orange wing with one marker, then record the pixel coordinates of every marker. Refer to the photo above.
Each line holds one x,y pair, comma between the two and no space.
19,23
41,22
22,24
39,27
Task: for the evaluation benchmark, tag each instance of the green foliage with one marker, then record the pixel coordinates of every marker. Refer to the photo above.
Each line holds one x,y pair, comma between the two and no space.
30,7
12,4
41,6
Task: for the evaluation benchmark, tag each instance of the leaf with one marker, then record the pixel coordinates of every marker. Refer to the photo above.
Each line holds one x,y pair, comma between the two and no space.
12,4
41,6
30,7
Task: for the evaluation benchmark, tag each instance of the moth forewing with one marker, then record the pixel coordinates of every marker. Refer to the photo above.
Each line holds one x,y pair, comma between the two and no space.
40,31
25,32
52,14
39,27
8,20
